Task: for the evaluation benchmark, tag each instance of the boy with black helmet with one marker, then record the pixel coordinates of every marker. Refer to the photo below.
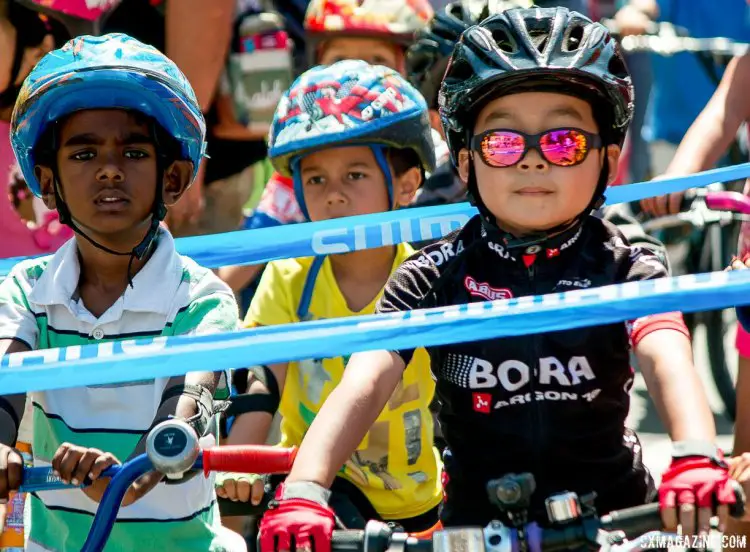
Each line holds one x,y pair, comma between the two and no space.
535,104
426,61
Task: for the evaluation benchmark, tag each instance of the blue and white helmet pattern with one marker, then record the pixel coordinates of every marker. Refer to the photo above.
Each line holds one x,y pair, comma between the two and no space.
114,71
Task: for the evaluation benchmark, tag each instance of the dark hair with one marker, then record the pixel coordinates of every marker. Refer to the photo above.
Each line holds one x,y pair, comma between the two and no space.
403,159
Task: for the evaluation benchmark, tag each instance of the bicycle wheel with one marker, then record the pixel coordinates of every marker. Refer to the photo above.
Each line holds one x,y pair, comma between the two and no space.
720,324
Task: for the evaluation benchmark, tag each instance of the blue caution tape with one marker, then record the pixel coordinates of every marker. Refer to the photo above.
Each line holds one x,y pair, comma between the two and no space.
141,359
329,237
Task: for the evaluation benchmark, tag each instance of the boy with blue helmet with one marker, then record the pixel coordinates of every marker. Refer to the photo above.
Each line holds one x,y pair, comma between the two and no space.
355,139
108,131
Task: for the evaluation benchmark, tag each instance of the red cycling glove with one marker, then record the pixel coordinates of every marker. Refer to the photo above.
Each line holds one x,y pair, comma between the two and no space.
295,522
695,480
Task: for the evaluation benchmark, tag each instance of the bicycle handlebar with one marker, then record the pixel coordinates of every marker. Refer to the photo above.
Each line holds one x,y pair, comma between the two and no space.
704,206
667,39
639,522
172,448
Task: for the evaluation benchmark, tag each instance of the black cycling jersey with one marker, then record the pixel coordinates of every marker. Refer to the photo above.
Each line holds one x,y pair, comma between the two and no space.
552,404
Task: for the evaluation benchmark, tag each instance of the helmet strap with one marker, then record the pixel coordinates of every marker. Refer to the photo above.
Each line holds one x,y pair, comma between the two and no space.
158,213
510,241
378,151
380,157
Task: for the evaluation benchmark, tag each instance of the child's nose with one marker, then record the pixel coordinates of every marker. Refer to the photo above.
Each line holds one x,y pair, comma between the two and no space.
533,161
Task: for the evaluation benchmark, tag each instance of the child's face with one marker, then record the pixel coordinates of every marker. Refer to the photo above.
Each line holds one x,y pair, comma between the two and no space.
347,181
107,169
534,194
371,50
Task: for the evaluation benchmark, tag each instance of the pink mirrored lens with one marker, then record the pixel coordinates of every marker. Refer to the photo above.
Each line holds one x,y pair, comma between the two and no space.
502,148
563,147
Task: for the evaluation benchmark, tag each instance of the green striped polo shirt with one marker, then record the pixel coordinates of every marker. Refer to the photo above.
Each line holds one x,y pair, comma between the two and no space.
171,295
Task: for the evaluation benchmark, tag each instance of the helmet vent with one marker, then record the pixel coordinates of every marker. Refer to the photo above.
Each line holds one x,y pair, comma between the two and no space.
504,42
573,38
456,10
460,71
539,39
617,67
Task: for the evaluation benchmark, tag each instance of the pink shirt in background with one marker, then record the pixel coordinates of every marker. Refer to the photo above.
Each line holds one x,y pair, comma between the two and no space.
17,239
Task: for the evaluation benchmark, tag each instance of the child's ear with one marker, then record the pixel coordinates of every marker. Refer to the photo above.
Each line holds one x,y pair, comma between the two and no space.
177,178
46,179
407,185
613,157
464,163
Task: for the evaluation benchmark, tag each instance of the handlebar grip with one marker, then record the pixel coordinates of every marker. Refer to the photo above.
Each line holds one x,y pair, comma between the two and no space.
728,201
348,541
377,537
633,521
249,459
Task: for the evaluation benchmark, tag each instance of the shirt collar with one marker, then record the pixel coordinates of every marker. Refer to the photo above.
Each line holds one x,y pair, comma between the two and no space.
153,287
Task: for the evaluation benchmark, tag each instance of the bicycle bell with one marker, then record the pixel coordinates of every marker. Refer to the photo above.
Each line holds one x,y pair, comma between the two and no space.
172,446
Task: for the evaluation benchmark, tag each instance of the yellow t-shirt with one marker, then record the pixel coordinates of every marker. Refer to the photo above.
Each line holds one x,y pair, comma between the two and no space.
396,465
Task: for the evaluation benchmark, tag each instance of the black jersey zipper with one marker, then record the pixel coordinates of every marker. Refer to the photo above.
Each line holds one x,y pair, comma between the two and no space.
534,365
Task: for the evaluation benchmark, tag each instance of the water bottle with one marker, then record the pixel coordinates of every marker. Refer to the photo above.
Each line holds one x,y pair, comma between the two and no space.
12,537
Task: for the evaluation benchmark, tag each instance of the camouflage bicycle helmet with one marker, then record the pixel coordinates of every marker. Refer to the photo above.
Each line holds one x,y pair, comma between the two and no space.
427,58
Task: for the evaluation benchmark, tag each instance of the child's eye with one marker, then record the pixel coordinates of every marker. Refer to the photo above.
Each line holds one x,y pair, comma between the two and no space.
357,175
135,154
314,180
87,155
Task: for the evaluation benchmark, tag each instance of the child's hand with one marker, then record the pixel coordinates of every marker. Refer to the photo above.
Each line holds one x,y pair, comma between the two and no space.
240,487
739,470
739,264
11,471
74,464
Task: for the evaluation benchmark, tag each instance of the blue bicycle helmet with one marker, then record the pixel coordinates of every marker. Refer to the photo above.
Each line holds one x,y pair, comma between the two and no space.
114,71
349,103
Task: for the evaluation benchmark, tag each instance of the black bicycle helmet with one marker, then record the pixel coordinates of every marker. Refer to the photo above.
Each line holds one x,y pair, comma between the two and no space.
427,57
536,49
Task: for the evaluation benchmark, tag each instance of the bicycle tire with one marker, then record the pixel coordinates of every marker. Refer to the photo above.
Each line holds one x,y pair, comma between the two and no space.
715,248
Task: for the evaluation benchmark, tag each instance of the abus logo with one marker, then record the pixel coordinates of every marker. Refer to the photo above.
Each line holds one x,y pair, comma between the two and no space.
481,289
